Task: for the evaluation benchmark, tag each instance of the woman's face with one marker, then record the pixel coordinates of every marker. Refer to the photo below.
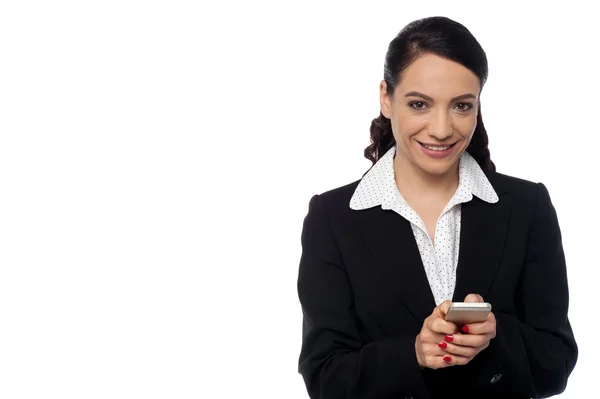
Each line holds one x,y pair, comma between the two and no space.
433,112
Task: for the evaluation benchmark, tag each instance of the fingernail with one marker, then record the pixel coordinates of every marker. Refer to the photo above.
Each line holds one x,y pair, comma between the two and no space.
449,338
443,345
465,329
447,358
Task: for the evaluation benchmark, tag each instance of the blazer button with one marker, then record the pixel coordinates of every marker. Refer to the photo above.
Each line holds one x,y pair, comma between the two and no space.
495,378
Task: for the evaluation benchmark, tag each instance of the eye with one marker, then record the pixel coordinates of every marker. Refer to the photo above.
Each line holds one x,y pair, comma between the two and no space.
464,107
417,105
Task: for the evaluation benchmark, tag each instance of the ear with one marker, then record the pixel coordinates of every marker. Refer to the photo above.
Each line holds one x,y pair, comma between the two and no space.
384,100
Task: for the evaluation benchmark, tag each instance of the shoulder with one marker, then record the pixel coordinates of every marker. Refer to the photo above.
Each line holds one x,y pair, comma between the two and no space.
337,196
520,190
504,182
334,200
341,194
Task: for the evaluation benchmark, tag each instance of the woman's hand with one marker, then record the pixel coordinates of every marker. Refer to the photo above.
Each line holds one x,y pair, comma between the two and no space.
475,337
440,344
435,331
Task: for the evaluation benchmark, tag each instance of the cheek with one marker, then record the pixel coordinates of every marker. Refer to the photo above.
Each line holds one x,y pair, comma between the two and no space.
407,125
465,126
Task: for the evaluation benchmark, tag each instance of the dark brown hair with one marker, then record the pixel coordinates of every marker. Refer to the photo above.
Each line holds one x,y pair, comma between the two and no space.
448,39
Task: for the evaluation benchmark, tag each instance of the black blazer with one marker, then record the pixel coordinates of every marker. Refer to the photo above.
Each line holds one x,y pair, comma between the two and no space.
364,296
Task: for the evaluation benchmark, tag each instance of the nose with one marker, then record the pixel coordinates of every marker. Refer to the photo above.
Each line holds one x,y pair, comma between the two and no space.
440,125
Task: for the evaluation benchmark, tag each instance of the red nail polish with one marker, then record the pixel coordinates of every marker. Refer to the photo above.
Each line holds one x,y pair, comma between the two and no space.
447,358
465,329
449,338
443,345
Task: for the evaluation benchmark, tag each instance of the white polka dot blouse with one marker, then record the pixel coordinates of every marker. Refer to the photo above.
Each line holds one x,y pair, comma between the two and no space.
440,256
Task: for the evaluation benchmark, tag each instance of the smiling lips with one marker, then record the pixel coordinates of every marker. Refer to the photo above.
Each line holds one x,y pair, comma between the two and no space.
436,150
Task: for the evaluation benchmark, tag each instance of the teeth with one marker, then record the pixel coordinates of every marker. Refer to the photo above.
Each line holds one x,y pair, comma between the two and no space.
436,148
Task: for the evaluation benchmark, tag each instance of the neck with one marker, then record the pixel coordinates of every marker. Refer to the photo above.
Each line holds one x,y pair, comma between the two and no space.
413,181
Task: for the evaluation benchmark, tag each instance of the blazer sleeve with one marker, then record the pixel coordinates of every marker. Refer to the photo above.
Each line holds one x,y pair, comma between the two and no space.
534,353
334,360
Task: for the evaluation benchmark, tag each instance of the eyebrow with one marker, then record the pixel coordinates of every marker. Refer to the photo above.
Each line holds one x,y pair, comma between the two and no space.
426,97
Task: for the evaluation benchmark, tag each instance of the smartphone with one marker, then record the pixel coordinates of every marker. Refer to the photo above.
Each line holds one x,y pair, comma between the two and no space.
462,313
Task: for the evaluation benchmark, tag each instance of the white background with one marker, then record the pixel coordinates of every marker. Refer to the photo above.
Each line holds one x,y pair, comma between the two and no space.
157,158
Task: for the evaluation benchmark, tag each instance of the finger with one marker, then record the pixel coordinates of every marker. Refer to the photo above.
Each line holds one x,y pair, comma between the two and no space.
427,339
474,298
434,349
472,341
485,327
441,326
444,307
440,361
433,356
457,350
451,360
479,329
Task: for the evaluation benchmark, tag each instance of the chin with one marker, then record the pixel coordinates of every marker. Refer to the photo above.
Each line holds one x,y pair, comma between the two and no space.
439,171
437,167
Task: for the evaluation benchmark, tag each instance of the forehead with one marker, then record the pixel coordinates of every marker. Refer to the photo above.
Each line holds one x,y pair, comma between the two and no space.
438,77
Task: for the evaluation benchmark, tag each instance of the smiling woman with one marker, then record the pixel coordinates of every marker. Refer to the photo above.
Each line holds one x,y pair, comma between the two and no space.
433,113
432,223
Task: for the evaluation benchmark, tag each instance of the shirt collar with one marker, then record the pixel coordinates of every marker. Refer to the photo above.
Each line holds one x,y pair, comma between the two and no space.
378,186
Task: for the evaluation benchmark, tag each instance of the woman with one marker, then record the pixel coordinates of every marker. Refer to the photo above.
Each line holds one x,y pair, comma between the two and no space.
430,223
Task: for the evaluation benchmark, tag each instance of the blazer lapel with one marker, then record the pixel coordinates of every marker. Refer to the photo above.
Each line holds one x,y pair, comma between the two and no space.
483,234
392,245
